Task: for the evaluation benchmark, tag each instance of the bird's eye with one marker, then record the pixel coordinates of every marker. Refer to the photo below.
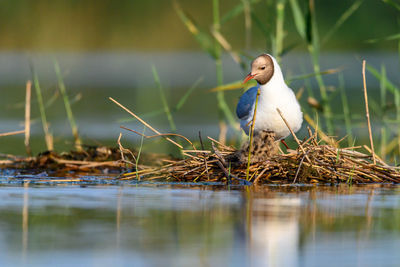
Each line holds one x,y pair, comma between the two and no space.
263,68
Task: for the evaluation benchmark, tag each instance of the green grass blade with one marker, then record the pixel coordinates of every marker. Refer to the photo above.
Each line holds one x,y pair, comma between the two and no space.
382,86
383,143
48,136
383,91
389,85
164,100
70,115
387,38
314,48
204,39
236,11
229,86
393,4
299,19
350,11
139,153
279,32
397,105
222,105
346,111
183,99
310,75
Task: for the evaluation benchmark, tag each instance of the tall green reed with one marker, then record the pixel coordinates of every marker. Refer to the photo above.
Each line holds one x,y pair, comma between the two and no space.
67,105
164,101
383,93
213,48
47,134
307,28
279,32
346,111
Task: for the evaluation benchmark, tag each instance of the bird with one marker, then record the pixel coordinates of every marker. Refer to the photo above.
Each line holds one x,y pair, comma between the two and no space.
274,93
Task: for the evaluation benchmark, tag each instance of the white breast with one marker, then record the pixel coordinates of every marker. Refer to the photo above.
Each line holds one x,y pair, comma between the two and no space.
275,94
268,118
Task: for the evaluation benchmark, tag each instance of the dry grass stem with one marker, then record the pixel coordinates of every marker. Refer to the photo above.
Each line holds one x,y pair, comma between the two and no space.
143,122
28,95
293,134
367,112
310,163
12,133
161,135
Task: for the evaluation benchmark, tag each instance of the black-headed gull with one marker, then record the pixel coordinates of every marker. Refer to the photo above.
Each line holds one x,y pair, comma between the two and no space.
274,93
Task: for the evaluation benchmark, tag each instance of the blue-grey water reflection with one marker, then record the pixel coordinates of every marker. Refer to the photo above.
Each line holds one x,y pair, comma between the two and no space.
177,225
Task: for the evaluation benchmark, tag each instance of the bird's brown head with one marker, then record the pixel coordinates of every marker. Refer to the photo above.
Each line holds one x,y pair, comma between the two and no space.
262,69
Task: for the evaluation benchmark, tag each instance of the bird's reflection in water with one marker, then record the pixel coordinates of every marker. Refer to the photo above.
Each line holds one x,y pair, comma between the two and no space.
273,227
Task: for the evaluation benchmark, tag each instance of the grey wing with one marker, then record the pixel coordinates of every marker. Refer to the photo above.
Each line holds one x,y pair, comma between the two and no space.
246,103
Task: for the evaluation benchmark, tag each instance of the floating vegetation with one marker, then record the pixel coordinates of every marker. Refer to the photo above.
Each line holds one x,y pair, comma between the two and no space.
314,161
311,162
91,158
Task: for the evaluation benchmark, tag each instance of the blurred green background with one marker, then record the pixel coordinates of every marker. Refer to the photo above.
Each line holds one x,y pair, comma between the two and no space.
153,25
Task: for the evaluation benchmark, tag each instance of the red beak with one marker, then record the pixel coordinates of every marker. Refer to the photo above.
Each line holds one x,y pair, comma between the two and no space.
248,78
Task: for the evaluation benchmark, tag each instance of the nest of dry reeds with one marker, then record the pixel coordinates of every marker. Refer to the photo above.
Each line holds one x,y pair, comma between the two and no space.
311,162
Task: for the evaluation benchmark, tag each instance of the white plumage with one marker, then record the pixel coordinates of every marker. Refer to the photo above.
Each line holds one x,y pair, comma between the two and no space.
274,93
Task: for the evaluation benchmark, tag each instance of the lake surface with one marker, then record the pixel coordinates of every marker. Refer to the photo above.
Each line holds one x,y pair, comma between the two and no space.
198,225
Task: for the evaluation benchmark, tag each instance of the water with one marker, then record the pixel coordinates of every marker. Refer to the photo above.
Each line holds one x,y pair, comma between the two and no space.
199,225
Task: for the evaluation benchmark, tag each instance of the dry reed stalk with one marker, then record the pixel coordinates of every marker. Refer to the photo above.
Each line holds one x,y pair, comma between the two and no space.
160,135
293,134
28,95
143,122
330,165
367,112
226,45
12,133
223,129
123,150
318,131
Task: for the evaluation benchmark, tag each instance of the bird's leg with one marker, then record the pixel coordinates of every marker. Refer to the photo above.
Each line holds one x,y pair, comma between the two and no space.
284,143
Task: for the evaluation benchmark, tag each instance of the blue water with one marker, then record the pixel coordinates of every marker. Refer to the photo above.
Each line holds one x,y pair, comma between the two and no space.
198,225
